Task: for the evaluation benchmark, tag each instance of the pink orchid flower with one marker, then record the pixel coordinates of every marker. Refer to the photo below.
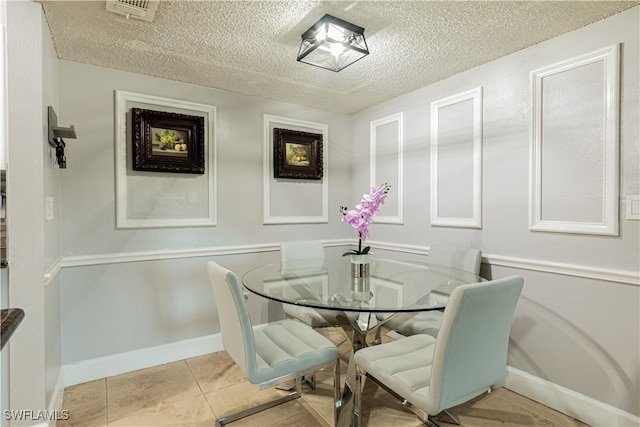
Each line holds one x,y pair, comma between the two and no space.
362,216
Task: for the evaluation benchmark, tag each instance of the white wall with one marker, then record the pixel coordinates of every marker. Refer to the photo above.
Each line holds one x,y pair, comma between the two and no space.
52,258
574,331
34,350
112,305
4,273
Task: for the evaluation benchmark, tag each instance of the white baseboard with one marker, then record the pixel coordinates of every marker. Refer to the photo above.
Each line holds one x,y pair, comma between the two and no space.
107,366
569,402
55,404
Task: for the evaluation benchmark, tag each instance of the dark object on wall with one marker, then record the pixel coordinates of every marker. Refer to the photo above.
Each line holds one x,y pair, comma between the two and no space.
297,154
10,318
56,134
167,142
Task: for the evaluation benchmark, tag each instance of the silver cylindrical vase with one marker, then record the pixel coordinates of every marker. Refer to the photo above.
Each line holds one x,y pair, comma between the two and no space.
360,277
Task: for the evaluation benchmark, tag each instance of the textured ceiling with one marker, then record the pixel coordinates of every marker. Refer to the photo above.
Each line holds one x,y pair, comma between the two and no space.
250,47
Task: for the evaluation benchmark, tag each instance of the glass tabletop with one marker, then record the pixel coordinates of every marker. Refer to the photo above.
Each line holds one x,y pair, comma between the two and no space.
327,284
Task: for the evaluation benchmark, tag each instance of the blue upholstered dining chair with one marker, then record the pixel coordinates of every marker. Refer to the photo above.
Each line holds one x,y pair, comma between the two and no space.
428,322
280,352
469,356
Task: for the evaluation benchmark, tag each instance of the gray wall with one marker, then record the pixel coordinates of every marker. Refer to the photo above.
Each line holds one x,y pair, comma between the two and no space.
111,305
574,331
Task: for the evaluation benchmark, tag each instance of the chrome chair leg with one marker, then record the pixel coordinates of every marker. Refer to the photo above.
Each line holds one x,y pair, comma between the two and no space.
311,381
255,409
452,418
378,339
337,398
357,407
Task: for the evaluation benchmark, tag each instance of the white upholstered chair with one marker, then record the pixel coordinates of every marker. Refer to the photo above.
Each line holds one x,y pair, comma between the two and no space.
306,256
469,356
428,322
467,259
280,352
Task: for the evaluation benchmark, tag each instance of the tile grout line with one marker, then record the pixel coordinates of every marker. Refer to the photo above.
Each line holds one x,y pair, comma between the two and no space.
319,414
215,417
106,400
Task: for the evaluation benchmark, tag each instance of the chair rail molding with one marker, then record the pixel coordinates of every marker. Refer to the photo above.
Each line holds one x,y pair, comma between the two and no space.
52,270
456,160
272,185
586,272
377,164
158,255
575,113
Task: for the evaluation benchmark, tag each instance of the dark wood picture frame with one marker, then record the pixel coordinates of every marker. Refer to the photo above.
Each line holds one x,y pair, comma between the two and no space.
167,142
297,154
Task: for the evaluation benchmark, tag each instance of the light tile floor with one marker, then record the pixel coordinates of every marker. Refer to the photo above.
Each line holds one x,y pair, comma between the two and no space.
194,392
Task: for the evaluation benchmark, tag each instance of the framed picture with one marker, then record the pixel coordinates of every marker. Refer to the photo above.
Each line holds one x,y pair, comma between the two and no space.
297,154
167,142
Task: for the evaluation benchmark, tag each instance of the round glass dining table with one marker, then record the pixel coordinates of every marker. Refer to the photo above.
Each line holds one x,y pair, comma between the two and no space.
394,286
328,286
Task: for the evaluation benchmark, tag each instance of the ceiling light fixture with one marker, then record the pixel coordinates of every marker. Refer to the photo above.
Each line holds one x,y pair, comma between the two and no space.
333,44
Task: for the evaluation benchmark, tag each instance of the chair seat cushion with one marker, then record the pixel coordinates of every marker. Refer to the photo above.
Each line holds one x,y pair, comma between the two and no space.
424,322
288,347
403,365
310,316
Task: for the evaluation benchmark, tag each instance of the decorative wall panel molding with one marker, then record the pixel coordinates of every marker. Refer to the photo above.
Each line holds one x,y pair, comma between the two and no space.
161,200
575,145
294,201
386,165
456,160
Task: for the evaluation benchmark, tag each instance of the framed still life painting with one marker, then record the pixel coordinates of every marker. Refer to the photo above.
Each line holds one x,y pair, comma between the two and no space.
167,142
297,154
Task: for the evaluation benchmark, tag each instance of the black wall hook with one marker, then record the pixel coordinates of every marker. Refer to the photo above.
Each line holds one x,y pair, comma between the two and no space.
61,158
56,134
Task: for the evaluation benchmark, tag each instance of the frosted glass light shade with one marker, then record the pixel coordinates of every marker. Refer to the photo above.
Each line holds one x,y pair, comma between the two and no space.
333,44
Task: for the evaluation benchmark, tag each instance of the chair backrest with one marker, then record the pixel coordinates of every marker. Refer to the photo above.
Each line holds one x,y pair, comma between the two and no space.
233,314
301,255
470,355
467,259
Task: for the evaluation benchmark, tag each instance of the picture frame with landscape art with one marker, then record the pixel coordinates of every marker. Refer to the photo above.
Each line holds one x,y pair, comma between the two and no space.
167,142
297,154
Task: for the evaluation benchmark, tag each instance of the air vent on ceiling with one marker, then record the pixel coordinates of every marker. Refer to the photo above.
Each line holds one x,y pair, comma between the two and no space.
140,9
